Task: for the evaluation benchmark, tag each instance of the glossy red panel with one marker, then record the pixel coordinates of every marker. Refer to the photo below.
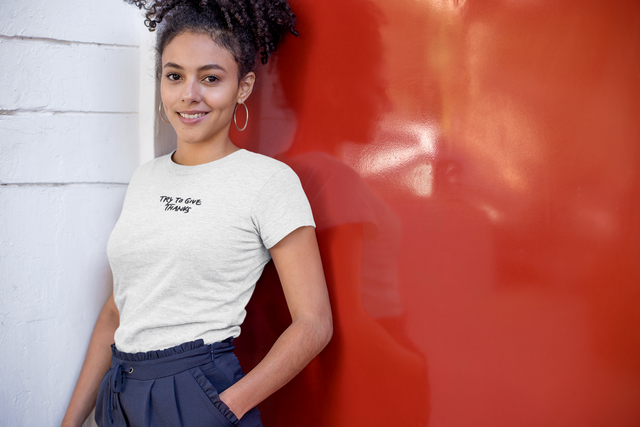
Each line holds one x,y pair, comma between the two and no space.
474,171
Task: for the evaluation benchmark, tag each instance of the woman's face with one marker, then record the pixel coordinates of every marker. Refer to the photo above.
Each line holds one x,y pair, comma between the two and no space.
200,88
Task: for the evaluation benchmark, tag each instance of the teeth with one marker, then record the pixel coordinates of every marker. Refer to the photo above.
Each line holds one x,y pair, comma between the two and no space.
192,116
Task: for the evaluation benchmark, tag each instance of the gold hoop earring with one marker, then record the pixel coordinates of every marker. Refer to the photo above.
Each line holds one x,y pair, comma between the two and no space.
234,116
160,111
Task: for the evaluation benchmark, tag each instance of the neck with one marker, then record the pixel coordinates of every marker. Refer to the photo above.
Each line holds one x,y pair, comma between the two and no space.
192,154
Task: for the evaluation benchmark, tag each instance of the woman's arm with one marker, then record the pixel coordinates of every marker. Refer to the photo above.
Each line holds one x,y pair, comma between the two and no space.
297,260
96,363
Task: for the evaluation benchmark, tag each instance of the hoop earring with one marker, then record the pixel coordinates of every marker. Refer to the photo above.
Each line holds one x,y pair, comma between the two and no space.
234,116
160,111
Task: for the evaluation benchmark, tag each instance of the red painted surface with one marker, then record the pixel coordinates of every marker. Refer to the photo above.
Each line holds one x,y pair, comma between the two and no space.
474,170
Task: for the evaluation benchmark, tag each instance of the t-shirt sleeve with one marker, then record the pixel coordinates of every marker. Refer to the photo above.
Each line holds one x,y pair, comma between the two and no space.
280,207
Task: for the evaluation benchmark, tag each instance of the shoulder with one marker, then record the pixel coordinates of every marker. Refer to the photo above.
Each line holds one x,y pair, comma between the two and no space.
264,170
262,163
148,169
155,163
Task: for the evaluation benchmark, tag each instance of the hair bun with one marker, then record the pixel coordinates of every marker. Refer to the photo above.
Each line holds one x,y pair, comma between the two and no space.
261,24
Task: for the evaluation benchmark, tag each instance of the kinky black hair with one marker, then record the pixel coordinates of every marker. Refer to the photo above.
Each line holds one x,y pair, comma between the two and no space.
244,27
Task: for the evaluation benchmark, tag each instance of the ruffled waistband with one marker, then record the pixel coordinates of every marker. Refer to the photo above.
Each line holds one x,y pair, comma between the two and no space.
167,352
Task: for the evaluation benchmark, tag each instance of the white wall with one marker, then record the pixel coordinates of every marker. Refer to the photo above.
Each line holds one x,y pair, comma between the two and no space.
72,130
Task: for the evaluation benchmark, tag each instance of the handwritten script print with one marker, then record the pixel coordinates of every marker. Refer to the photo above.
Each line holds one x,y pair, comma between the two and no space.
179,204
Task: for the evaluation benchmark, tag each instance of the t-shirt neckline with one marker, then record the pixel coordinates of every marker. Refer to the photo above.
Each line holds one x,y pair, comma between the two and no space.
205,167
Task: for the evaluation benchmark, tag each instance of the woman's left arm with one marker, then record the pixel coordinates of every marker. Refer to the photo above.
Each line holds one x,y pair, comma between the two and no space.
297,260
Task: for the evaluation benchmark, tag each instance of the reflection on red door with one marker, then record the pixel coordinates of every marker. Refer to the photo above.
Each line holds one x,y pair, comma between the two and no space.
474,171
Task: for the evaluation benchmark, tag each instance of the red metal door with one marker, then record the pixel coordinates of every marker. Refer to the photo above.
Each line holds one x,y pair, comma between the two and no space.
474,171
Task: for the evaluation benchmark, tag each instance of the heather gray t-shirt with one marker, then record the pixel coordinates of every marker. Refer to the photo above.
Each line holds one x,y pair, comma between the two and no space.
191,243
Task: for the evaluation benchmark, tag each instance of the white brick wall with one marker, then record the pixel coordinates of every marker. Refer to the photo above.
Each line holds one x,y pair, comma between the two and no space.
43,75
70,127
68,148
96,21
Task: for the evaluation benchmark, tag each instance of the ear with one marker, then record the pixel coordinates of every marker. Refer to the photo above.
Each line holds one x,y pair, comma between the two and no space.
245,87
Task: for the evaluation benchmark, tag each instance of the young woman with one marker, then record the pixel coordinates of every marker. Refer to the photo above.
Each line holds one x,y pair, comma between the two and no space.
196,229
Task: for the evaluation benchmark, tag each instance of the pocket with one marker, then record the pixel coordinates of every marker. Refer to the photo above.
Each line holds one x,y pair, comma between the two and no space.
214,398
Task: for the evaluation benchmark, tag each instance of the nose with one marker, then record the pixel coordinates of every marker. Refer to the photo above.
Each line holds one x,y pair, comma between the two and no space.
191,91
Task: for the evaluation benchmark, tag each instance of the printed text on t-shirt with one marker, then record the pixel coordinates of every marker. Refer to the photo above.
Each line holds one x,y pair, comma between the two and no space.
179,204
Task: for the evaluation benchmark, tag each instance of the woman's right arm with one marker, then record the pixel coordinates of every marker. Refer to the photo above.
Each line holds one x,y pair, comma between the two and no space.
96,363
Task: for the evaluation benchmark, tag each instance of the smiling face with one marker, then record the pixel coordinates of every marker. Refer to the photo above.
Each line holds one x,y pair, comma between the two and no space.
200,89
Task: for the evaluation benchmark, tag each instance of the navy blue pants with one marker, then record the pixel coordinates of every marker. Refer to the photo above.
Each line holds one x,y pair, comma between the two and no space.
178,386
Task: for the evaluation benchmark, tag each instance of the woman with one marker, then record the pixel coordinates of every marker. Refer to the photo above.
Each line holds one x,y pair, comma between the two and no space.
196,230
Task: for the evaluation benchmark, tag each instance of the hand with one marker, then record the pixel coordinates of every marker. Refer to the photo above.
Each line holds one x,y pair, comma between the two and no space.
226,399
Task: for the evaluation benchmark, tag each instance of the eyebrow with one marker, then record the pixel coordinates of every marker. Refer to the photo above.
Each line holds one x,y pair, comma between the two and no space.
203,68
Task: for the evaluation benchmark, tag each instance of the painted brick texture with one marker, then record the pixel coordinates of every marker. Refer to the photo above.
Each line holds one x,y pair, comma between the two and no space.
69,142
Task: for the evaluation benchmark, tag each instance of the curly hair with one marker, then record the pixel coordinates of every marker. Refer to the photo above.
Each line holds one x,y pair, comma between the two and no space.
245,28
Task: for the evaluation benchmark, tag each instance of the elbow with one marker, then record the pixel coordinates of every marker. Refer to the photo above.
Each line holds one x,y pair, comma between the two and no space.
318,331
326,331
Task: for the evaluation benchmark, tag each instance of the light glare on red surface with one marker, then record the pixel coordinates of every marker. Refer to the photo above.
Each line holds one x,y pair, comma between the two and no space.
474,170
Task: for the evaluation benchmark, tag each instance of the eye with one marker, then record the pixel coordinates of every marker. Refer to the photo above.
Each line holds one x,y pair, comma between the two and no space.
211,79
173,76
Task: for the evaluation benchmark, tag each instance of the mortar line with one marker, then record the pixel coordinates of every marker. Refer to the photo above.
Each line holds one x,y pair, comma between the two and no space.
66,42
20,111
56,184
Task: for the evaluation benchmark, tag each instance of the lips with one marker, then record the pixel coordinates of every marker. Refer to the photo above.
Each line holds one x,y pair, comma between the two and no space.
192,115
